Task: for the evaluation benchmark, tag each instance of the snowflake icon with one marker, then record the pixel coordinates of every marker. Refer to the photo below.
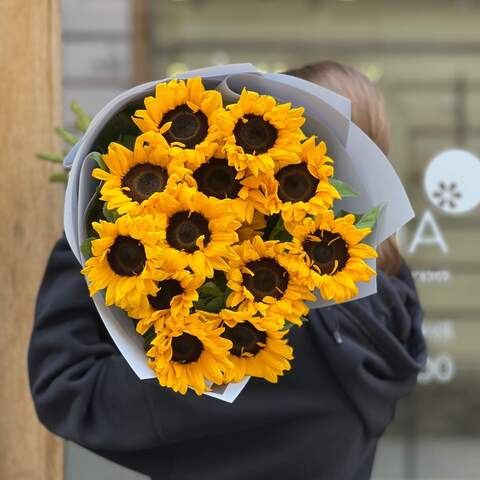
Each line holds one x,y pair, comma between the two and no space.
447,195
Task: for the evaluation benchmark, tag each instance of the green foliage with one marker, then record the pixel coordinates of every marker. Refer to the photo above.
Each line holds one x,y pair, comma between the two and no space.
369,219
127,141
343,189
276,229
98,158
364,220
120,128
93,212
60,177
209,289
109,215
213,294
82,120
86,247
148,336
69,137
50,157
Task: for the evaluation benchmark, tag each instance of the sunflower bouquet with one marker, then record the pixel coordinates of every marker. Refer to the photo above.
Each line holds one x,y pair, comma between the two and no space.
212,222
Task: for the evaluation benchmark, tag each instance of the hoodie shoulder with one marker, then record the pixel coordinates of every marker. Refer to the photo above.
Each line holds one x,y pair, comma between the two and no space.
375,346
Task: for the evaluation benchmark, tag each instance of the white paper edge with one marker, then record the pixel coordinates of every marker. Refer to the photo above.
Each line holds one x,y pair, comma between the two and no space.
231,392
69,220
375,165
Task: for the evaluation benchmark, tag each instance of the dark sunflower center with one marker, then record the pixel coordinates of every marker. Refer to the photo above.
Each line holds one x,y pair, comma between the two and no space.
184,228
331,248
245,338
127,256
217,179
269,279
296,183
144,180
188,127
186,348
168,290
255,135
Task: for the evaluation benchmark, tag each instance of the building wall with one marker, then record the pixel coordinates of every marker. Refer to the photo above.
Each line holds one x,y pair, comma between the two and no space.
97,52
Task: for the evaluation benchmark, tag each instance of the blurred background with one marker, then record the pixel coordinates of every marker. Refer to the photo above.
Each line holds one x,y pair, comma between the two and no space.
425,57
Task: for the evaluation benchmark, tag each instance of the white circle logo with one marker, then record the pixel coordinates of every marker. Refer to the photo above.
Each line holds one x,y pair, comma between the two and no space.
452,181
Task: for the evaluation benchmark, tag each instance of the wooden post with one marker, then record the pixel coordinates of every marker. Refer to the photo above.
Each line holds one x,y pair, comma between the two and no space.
142,41
31,219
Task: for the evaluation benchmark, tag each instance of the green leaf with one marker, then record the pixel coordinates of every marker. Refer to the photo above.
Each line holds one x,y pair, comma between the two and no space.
86,247
278,231
212,304
82,120
110,215
127,141
61,177
148,336
200,303
50,157
369,219
284,236
209,289
98,158
93,211
343,189
69,137
220,279
119,125
215,304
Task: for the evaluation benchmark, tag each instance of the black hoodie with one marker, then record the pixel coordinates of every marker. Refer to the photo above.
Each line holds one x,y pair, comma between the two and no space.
321,421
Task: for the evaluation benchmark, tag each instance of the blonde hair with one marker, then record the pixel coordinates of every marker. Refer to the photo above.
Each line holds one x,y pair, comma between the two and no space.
368,112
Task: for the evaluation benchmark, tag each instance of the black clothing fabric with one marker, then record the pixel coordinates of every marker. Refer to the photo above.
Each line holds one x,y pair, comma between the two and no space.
321,421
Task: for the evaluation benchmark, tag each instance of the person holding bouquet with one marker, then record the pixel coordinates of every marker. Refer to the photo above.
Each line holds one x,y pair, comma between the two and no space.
322,420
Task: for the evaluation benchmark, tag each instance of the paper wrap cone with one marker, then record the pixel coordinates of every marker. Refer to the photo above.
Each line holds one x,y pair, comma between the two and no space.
357,161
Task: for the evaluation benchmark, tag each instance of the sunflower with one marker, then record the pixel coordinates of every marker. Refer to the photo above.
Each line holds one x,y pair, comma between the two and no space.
257,132
299,187
190,355
264,279
218,180
124,260
135,180
197,230
188,111
334,258
259,347
176,292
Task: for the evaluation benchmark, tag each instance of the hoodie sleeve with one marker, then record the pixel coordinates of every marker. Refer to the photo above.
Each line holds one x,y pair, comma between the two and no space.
83,390
375,346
